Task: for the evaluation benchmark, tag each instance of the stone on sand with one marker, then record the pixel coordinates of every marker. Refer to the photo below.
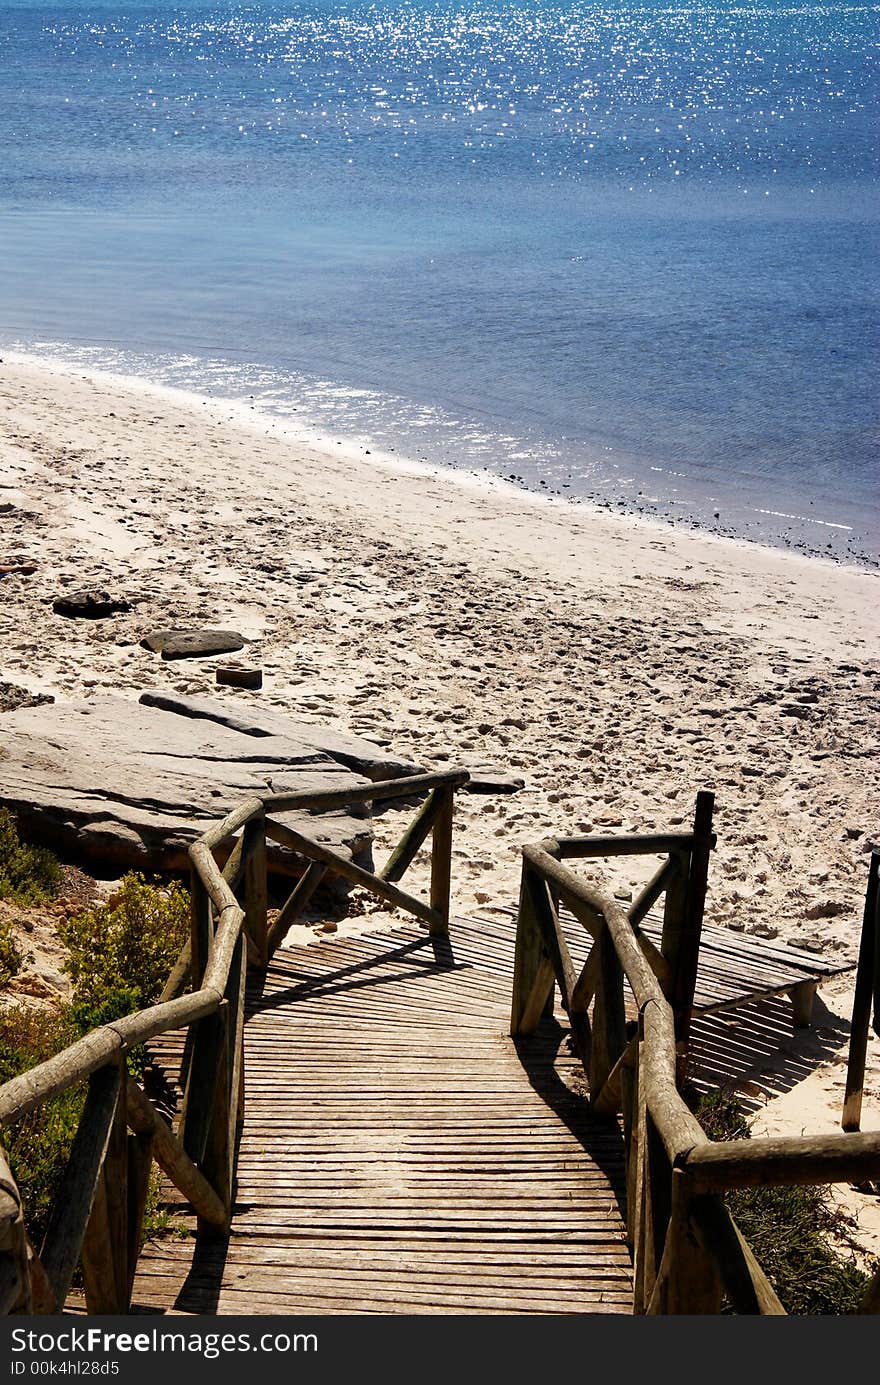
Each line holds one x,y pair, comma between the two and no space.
193,644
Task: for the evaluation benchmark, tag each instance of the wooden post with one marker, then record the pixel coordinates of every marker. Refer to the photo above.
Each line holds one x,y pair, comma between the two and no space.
441,860
216,1162
683,921
658,1178
533,973
236,994
745,1283
15,1278
201,927
802,997
256,887
688,1280
609,1018
105,1248
642,1282
866,990
630,1103
140,1167
73,1205
208,1054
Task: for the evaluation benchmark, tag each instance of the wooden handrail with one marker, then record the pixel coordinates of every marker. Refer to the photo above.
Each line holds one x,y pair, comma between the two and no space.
784,1161
687,1246
379,791
633,844
91,1220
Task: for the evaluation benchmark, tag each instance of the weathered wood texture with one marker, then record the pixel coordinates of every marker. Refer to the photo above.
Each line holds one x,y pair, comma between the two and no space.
734,970
400,1154
866,998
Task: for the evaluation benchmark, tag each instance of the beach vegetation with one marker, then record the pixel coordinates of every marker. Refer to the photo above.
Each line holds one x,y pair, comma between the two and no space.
11,954
795,1233
28,874
120,954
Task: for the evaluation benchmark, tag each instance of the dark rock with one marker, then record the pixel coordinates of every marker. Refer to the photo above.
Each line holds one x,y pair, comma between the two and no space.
17,569
237,676
193,644
90,605
795,709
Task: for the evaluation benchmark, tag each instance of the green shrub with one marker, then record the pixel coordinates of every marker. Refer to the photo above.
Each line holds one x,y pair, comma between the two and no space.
122,952
120,957
11,955
790,1230
28,874
38,1145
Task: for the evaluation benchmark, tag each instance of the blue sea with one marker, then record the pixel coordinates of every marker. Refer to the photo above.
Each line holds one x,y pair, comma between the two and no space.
620,252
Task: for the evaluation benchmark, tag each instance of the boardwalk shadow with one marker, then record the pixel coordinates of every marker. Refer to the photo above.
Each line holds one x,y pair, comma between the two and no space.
600,1137
755,1052
431,956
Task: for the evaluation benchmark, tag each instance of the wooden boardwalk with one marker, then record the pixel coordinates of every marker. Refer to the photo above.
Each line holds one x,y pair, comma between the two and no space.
400,1154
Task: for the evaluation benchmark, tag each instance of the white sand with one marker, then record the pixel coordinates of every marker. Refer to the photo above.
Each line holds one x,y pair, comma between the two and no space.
616,665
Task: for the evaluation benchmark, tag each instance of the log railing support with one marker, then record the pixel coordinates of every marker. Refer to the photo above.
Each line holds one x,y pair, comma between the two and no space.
441,861
67,1227
609,1018
15,1279
105,1247
533,974
866,997
256,888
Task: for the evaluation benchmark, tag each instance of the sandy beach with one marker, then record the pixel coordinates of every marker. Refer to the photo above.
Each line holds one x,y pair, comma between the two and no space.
615,665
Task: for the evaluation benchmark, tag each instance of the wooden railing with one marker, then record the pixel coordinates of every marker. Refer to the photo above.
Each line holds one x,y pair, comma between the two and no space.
687,1250
98,1213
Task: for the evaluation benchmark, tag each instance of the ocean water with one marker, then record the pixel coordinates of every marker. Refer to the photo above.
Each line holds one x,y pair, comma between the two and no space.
624,252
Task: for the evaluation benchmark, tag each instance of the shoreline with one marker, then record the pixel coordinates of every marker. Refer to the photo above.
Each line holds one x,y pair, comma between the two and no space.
616,665
745,503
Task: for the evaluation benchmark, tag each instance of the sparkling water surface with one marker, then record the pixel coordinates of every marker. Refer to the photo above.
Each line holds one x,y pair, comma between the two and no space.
621,251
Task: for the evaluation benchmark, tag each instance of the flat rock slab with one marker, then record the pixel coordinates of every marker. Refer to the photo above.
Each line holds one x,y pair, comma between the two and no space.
193,644
124,785
355,752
